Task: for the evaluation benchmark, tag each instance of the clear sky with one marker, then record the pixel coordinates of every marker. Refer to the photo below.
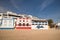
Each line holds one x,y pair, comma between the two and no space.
48,9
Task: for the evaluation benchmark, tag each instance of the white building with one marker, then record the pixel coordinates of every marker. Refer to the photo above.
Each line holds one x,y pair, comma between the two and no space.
58,25
39,24
23,23
7,20
36,23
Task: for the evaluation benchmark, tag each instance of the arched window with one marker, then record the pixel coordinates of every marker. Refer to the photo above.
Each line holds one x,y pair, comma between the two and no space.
23,24
27,24
19,24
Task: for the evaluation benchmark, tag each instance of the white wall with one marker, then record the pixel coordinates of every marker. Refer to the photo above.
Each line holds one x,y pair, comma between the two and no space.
44,26
7,23
35,26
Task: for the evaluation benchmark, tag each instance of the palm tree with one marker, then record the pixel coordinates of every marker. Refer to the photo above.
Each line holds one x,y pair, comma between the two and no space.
50,22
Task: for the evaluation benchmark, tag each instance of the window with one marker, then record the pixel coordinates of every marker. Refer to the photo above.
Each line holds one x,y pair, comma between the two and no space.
20,20
45,23
23,24
42,23
19,24
27,24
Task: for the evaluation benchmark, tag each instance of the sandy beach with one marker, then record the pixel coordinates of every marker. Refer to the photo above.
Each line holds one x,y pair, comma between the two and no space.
24,34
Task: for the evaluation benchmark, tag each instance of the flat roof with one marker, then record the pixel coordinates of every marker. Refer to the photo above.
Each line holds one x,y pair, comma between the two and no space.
11,15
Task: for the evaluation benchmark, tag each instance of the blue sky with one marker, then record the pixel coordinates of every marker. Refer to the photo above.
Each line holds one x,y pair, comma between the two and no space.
48,9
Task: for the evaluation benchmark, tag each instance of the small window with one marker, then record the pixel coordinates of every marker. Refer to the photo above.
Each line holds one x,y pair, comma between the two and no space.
27,24
19,24
43,24
23,24
20,20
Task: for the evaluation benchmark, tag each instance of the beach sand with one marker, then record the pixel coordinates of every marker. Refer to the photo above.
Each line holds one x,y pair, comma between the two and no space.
25,34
